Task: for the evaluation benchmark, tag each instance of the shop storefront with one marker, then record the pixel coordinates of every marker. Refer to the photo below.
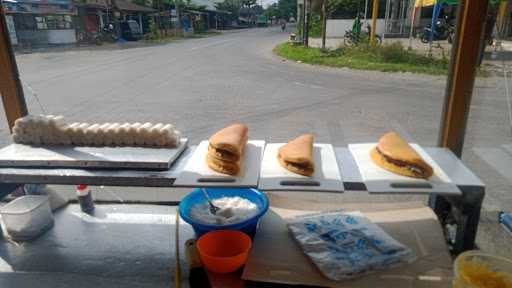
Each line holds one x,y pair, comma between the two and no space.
92,15
43,23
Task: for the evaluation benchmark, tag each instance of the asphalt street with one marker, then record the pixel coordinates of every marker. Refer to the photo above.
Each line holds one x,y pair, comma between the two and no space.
201,85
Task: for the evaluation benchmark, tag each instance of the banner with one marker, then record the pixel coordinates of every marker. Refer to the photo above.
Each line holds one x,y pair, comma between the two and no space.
427,3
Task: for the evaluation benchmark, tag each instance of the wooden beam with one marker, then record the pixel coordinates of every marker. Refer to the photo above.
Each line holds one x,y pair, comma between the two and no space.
10,85
463,67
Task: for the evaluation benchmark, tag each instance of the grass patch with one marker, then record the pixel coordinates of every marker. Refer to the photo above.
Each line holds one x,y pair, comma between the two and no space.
387,58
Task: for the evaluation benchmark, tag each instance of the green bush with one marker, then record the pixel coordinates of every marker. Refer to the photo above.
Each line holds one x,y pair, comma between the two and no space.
389,57
154,32
199,26
394,53
315,30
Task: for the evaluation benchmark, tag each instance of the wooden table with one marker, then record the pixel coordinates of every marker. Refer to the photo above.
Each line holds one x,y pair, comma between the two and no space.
276,257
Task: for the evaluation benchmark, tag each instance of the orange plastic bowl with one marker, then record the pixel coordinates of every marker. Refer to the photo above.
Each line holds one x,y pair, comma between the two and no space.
224,251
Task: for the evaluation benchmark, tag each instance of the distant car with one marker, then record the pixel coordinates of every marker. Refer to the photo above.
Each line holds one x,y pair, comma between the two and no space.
291,20
130,30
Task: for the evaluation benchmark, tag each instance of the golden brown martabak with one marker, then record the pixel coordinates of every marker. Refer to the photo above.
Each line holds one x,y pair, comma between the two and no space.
224,167
229,143
297,155
226,149
394,154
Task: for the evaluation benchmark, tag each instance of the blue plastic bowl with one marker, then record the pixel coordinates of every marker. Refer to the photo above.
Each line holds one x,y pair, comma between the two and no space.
248,226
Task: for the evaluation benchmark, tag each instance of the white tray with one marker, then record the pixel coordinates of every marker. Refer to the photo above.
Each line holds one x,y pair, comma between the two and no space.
19,155
197,173
379,180
327,178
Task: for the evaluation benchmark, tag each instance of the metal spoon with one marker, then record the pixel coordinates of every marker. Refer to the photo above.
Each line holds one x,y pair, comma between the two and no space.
213,208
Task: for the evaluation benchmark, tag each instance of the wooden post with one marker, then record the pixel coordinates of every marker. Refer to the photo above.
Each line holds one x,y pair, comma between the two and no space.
461,78
375,13
324,22
10,85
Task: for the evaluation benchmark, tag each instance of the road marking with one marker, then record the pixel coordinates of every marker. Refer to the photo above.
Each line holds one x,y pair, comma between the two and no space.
313,86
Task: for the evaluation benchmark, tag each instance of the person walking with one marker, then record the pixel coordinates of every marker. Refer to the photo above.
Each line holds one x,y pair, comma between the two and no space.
283,24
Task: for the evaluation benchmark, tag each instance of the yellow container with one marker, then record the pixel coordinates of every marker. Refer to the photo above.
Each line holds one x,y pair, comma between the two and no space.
474,269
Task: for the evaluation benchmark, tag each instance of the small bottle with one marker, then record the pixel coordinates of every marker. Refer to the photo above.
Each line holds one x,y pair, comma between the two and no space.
85,198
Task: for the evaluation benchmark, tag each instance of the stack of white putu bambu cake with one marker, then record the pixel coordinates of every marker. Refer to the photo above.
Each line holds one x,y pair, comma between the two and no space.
53,130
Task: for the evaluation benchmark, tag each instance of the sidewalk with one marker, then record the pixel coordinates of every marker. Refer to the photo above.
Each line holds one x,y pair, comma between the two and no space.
117,45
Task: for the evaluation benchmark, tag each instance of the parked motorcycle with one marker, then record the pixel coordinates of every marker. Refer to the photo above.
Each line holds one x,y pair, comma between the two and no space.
444,31
109,34
89,37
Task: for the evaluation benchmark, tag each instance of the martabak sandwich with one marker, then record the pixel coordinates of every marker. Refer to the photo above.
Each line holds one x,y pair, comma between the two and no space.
297,155
226,148
394,154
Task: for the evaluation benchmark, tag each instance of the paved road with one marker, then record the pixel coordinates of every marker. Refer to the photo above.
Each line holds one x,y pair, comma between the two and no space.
203,84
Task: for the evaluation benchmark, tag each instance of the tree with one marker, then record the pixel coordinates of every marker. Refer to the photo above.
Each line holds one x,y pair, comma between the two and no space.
288,8
282,9
139,2
257,9
273,11
342,9
232,6
248,3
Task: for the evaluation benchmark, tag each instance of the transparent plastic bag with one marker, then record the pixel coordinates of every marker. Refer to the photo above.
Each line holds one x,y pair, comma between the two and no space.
347,244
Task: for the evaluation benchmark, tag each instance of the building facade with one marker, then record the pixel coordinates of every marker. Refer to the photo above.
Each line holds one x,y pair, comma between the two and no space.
43,22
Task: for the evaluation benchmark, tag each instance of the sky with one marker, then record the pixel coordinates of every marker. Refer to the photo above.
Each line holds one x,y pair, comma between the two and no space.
266,3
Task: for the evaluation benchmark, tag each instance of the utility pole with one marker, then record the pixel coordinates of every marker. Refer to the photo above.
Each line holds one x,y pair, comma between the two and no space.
178,18
306,23
303,21
324,22
413,20
375,13
365,12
